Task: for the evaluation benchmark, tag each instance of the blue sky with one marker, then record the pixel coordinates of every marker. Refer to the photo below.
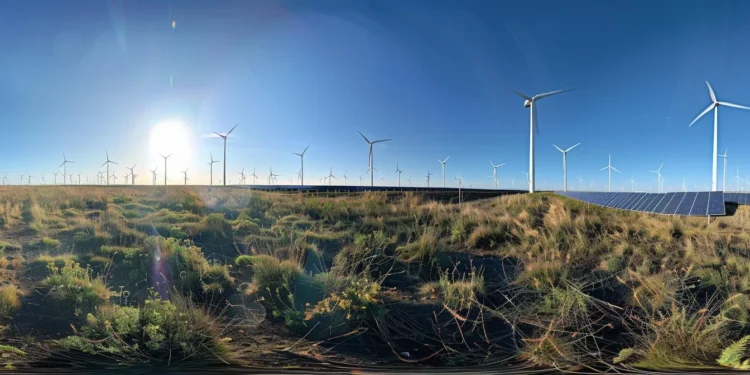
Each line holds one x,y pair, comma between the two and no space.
83,77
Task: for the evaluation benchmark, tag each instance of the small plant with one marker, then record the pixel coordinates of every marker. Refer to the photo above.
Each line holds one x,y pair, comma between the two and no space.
10,299
358,300
70,283
50,243
457,292
735,356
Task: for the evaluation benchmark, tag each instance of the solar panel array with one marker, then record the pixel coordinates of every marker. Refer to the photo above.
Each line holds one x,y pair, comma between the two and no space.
739,198
686,204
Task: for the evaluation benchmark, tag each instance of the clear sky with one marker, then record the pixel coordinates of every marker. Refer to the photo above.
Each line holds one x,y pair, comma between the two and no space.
136,78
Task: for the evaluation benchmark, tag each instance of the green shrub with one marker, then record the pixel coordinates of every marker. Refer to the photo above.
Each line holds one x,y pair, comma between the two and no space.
7,246
244,261
49,243
70,283
10,299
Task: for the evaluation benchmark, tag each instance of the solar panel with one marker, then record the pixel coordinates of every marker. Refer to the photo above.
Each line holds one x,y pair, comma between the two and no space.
673,204
744,198
623,197
716,206
650,207
629,198
660,207
600,197
613,198
644,202
687,204
608,197
635,201
700,206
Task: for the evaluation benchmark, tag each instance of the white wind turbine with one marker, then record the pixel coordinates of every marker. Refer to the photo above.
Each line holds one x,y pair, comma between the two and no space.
242,176
372,163
565,164
29,179
79,177
724,183
108,162
632,183
737,178
132,176
165,168
271,175
56,173
494,171
302,165
609,168
224,137
184,173
211,166
153,175
43,182
63,165
5,178
330,177
345,177
580,183
428,178
658,178
399,171
442,164
255,177
409,180
534,127
360,180
715,106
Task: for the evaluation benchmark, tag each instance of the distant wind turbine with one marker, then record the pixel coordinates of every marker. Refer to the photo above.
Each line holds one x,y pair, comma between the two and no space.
184,173
255,177
153,175
79,177
610,168
224,137
565,164
715,106
534,127
580,183
494,171
56,173
345,177
632,183
658,178
211,166
29,179
428,178
63,165
132,176
23,174
442,163
372,162
738,179
302,165
399,171
330,177
165,168
242,176
107,163
360,180
271,175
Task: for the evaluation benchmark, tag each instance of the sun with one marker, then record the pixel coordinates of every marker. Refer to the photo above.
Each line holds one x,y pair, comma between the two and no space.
171,137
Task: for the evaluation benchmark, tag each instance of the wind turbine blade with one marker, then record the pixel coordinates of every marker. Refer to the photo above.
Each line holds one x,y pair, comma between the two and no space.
492,164
558,148
500,165
615,169
710,107
105,163
576,145
363,136
382,140
604,168
303,152
296,154
546,94
711,92
661,166
733,105
62,164
446,159
230,131
521,94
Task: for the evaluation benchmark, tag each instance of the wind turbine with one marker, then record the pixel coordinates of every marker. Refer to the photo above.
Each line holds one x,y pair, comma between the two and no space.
113,176
165,168
211,165
255,177
330,177
360,180
345,177
29,179
610,168
534,127
738,179
428,178
125,177
132,179
79,177
271,175
302,164
108,162
21,183
399,171
372,164
153,175
565,164
224,137
242,176
724,183
442,162
460,184
43,181
409,180
715,106
56,173
528,182
63,165
632,184
494,171
184,173
580,183
5,178
658,178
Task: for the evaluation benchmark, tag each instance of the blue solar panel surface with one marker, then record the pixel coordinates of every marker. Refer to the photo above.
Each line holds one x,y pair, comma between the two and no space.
660,207
679,203
700,206
716,206
651,205
686,205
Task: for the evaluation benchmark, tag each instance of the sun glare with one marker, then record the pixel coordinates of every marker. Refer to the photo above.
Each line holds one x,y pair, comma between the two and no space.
171,137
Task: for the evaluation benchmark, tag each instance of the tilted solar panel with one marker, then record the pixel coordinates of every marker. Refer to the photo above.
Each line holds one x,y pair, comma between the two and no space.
623,197
716,206
598,198
644,202
634,202
660,207
625,202
650,207
608,197
671,207
700,206
687,204
615,198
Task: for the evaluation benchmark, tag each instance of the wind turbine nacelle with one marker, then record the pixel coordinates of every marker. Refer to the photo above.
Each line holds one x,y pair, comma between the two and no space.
527,103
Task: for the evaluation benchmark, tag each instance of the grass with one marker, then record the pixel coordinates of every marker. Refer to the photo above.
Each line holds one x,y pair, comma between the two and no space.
536,278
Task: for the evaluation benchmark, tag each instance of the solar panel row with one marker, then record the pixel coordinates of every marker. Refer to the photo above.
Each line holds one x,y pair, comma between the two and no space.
692,203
